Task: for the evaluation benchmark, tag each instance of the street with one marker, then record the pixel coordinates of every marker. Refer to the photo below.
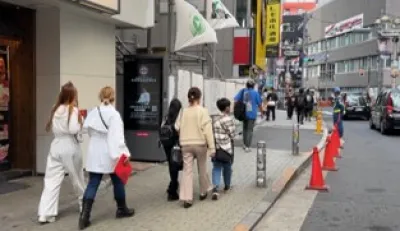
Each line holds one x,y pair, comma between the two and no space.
364,193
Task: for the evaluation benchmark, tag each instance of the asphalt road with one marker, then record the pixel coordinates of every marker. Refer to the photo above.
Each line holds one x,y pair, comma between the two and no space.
365,193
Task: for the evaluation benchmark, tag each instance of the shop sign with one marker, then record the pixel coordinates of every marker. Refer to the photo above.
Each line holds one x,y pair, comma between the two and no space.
106,6
356,22
273,28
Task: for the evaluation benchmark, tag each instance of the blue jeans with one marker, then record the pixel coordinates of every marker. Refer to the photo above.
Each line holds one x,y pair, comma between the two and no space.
218,168
94,182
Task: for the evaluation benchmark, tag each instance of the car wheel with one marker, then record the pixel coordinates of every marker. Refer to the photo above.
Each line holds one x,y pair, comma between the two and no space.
371,123
382,128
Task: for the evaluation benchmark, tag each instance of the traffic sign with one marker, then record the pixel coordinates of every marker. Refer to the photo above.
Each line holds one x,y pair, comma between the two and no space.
291,53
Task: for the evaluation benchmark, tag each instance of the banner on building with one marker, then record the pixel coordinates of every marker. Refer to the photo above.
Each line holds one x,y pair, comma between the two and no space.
273,24
260,34
219,16
345,26
4,106
191,27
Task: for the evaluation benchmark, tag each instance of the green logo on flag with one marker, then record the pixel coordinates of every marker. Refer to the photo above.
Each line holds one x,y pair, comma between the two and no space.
197,27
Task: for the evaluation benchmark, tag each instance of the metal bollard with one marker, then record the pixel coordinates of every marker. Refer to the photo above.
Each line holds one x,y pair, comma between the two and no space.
261,174
295,139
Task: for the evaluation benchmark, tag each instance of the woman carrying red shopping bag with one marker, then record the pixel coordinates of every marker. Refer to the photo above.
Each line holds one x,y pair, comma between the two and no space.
106,150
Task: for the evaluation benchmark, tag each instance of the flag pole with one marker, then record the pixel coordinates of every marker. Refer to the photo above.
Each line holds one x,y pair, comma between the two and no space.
204,47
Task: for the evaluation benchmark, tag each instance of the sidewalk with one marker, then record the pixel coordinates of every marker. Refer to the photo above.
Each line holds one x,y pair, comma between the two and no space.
241,209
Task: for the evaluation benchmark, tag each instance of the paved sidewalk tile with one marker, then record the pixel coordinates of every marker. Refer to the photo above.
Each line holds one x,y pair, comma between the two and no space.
146,193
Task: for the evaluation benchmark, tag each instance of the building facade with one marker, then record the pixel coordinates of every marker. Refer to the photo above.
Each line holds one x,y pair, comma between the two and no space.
159,34
343,47
43,45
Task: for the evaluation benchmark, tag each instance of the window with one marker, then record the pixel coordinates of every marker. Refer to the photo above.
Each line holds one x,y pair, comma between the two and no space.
342,41
356,65
365,36
357,38
286,27
374,62
352,38
351,66
364,63
341,67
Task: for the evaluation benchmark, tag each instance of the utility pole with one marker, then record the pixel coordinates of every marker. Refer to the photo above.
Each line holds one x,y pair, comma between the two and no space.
304,47
171,4
204,47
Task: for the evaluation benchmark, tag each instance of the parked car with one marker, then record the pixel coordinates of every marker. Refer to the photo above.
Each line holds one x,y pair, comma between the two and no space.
356,106
385,113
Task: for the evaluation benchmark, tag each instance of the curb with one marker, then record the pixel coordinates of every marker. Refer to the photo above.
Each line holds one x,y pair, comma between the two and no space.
277,189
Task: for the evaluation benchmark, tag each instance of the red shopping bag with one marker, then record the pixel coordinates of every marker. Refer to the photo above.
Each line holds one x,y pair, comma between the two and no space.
123,170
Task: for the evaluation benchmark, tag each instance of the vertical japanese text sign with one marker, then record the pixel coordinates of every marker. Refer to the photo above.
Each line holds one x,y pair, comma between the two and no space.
273,24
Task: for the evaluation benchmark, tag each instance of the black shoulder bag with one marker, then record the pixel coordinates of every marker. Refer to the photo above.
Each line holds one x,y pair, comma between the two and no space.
220,154
101,117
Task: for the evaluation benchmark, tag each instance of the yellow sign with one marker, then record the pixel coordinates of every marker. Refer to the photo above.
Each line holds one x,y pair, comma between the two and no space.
273,24
260,33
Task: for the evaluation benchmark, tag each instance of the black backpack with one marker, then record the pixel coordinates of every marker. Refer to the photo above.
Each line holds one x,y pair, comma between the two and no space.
167,134
239,109
301,100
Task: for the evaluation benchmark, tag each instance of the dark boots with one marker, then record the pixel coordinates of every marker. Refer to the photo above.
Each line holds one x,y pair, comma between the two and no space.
84,218
123,210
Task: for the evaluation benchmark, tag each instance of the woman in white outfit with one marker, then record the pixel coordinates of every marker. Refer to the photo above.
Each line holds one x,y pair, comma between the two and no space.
65,154
107,143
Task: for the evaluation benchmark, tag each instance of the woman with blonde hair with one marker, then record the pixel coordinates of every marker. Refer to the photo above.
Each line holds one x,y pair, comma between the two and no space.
106,145
65,155
197,141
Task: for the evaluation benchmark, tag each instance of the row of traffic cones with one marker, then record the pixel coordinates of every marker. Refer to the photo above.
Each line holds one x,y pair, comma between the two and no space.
332,151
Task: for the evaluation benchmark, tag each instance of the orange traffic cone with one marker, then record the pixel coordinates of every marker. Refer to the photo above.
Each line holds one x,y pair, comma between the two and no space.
317,181
329,161
336,143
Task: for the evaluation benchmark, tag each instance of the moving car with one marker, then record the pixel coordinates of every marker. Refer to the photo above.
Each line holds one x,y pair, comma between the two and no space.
356,106
385,113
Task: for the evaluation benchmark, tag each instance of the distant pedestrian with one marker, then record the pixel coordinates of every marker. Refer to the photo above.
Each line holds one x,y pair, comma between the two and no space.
224,133
272,99
300,103
261,82
169,137
197,141
65,154
338,112
290,101
106,145
309,105
253,103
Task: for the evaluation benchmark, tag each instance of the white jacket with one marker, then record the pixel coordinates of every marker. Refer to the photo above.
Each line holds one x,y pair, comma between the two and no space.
65,141
106,145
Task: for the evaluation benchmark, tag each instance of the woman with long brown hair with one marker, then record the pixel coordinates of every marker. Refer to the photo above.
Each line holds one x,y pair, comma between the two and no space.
65,155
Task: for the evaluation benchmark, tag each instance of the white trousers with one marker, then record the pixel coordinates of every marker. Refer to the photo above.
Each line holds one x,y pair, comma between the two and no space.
64,157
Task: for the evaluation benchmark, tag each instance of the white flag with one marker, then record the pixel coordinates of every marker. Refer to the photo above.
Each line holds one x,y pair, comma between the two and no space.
219,16
191,27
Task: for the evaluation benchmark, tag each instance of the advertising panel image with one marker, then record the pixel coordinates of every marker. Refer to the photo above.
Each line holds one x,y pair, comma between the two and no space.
4,107
142,93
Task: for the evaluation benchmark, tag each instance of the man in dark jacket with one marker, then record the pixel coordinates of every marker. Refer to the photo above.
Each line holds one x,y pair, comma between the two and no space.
300,103
290,99
308,110
272,100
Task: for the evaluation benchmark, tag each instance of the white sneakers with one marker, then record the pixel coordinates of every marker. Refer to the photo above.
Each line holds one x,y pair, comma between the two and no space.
44,219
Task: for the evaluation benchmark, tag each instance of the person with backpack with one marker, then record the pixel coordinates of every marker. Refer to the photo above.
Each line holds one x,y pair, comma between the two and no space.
300,103
309,105
247,103
169,137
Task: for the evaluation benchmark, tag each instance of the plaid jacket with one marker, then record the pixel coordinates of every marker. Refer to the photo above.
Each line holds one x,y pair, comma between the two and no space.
224,132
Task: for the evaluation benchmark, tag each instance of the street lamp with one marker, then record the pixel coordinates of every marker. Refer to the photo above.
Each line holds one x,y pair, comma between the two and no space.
388,28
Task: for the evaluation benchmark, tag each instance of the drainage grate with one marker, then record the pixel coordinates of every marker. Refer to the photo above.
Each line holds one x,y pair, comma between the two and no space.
8,187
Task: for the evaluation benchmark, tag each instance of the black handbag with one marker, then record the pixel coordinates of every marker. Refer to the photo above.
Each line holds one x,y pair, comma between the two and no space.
176,156
220,154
